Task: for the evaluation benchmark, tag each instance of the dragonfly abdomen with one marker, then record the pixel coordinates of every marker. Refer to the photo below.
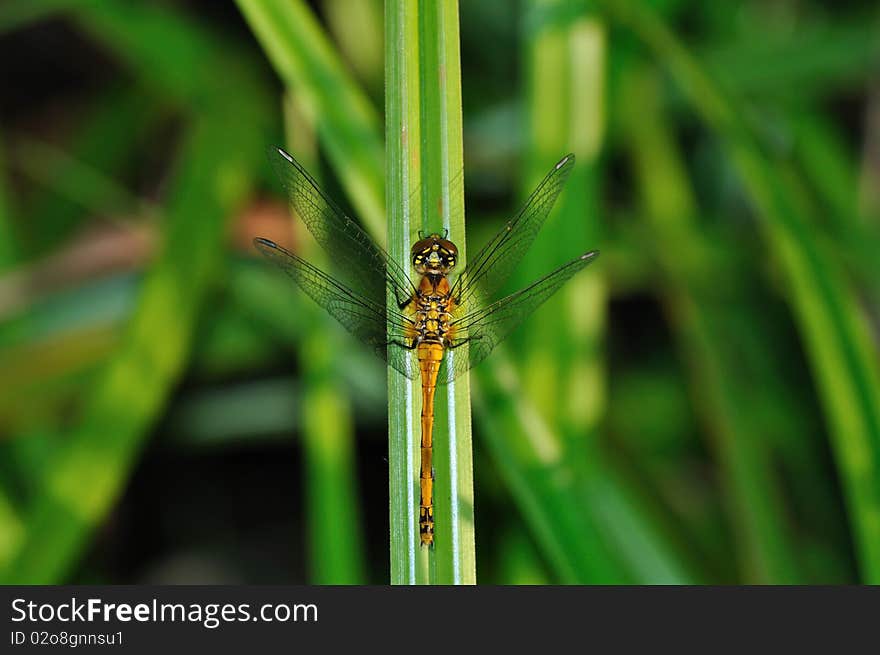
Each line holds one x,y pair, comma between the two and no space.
430,356
432,327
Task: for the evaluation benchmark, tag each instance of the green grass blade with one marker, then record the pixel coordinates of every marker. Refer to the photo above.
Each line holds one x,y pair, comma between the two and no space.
16,15
824,159
833,181
11,529
357,28
819,55
103,142
335,531
769,555
566,114
519,562
408,565
598,536
56,525
176,55
560,360
442,171
424,165
527,454
81,184
8,237
83,480
833,327
869,171
347,124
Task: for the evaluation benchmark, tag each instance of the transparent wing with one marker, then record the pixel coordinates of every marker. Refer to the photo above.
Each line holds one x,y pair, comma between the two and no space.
489,269
364,266
481,330
371,322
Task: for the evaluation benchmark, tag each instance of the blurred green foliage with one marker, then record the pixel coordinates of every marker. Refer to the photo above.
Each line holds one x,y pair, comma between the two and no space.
703,405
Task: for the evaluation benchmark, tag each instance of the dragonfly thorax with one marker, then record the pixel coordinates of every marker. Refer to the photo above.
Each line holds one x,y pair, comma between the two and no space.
433,310
434,255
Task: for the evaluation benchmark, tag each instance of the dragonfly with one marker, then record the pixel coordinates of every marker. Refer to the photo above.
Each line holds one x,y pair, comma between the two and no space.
425,326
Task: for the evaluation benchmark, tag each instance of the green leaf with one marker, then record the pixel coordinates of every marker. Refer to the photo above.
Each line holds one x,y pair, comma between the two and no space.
8,237
15,15
424,165
103,142
346,122
832,324
702,320
332,510
84,478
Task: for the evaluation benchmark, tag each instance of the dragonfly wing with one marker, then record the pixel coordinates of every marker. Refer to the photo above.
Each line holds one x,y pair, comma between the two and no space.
484,328
371,322
365,267
489,269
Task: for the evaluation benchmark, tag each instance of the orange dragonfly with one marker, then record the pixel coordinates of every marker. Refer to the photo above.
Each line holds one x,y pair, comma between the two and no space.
414,322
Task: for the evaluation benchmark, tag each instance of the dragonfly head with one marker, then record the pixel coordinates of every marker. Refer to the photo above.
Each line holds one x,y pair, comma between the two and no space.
434,255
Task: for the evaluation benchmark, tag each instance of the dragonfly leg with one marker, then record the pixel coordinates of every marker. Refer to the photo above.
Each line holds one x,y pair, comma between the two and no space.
460,342
398,342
